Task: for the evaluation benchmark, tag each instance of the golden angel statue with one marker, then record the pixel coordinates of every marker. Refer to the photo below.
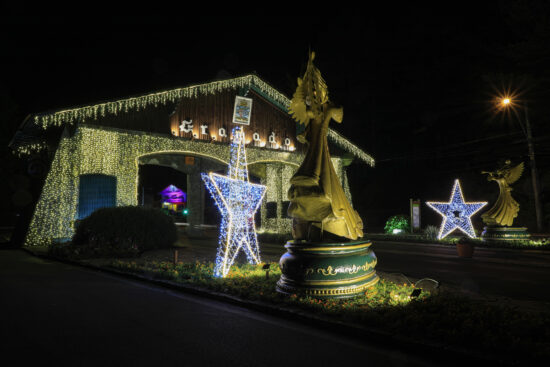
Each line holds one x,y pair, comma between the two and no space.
316,195
506,208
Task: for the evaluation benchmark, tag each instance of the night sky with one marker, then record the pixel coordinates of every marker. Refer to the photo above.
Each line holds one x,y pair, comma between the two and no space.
417,83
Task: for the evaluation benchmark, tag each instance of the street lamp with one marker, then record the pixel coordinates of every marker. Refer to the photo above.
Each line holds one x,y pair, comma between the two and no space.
506,102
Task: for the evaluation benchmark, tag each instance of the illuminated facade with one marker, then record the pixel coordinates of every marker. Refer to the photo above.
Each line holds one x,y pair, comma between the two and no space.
187,129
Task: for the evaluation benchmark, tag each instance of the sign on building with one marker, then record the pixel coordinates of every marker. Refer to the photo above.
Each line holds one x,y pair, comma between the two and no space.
415,215
242,111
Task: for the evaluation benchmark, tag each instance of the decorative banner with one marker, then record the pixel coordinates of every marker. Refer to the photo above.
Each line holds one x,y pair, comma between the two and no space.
242,111
456,213
238,200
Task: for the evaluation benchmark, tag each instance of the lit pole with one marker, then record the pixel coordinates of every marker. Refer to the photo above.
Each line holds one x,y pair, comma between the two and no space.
506,102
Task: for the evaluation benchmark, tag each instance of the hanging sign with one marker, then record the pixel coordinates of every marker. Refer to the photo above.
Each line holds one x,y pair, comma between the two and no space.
242,111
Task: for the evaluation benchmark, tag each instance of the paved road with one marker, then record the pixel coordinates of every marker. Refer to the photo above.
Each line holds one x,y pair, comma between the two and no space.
522,275
59,315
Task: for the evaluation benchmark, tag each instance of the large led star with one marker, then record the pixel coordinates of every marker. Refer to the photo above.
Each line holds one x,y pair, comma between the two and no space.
456,213
238,200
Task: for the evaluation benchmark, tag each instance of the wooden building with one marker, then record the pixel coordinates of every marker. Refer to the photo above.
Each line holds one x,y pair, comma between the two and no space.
103,146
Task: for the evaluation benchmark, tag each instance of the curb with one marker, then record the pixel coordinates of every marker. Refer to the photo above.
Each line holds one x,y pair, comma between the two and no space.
431,351
497,249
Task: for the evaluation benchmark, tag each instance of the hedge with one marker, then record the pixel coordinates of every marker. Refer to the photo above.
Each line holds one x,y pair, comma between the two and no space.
126,228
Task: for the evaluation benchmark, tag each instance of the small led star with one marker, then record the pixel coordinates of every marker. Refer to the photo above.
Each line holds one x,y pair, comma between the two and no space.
238,200
456,213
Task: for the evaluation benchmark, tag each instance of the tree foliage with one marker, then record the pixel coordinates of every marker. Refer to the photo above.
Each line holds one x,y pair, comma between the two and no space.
397,222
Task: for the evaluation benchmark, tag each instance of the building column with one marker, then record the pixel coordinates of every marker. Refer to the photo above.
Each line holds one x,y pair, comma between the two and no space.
195,203
279,182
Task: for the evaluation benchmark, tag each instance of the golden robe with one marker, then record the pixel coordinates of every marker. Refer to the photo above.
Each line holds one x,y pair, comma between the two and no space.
505,209
316,194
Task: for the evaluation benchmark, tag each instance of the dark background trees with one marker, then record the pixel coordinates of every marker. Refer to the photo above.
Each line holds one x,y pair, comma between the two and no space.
417,83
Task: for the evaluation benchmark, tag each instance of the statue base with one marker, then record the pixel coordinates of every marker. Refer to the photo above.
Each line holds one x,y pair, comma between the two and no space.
502,233
327,270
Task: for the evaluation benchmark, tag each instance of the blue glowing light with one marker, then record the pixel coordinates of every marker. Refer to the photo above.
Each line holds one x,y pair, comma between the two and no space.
238,200
456,213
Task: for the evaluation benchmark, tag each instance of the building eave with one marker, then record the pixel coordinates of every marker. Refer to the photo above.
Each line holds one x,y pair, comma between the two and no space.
81,114
95,111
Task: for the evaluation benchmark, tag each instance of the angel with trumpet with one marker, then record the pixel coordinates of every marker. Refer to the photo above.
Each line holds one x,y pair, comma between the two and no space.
506,208
316,194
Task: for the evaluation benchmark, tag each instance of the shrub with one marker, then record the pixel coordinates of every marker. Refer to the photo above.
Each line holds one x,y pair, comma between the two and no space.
397,223
72,252
281,238
123,230
431,232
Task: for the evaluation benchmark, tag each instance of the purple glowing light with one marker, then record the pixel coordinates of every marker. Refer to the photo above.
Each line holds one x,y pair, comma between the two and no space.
173,195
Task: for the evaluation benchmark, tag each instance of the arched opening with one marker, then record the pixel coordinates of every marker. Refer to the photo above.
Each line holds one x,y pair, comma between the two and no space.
164,188
172,182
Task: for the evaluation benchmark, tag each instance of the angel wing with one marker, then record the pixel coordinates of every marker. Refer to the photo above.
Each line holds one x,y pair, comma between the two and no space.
514,174
310,95
320,86
298,108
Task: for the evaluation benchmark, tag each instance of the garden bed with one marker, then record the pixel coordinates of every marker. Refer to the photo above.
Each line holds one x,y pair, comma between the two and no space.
445,318
441,317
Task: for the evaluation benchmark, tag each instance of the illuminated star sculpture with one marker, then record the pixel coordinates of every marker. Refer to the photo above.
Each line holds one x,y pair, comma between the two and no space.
456,213
237,199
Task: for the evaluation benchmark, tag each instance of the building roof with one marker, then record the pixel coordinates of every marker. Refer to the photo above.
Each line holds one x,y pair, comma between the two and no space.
27,138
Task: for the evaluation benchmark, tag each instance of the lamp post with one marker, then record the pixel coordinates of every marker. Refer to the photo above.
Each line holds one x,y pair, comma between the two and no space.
507,102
